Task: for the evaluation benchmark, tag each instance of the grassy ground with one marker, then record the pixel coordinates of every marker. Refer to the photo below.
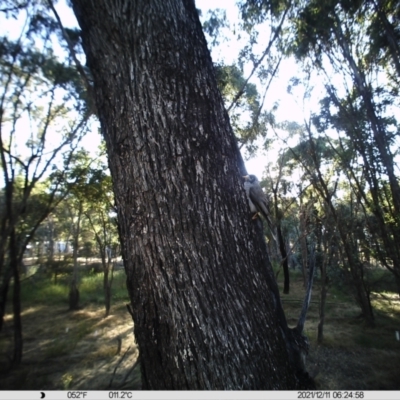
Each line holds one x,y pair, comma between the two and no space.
351,356
82,350
72,350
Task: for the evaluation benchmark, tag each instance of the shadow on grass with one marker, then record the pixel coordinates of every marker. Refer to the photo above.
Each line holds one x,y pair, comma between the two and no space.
64,349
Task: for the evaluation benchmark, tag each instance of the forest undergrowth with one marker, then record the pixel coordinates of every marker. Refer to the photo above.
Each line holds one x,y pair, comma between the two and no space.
82,350
352,356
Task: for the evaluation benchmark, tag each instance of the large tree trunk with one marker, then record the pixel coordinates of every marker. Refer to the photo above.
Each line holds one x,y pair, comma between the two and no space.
206,308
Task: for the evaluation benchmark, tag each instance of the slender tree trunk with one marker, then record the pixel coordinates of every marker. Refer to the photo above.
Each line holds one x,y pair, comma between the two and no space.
18,340
4,287
389,236
388,233
6,226
285,263
355,277
16,301
349,250
390,33
74,290
323,293
108,284
205,305
282,245
107,298
50,227
303,242
379,134
106,262
361,292
107,281
284,260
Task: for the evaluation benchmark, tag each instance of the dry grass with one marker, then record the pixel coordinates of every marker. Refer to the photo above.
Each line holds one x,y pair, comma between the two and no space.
80,350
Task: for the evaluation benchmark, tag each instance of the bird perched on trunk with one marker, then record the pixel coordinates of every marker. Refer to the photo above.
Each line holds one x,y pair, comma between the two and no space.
258,201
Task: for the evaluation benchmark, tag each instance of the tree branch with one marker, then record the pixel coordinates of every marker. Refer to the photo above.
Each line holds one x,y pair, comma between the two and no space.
257,64
79,67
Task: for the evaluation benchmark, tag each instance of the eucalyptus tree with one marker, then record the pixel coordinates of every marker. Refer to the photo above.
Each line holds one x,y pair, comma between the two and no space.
357,43
50,245
316,155
206,309
245,84
78,186
42,118
353,47
383,30
102,220
277,185
241,97
248,120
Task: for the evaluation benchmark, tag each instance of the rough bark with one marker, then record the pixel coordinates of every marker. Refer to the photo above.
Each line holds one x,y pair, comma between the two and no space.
205,305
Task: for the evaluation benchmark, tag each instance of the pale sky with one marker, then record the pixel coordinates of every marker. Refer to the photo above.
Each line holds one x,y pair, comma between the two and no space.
290,105
288,108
